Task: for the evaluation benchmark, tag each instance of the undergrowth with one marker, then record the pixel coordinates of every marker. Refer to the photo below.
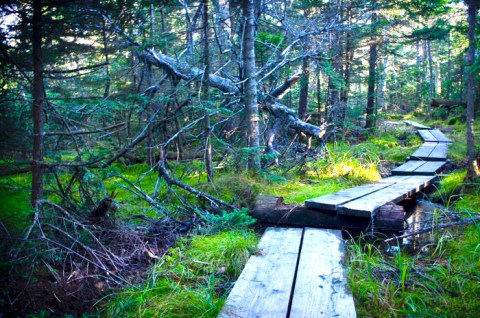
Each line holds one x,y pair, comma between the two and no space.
388,281
191,281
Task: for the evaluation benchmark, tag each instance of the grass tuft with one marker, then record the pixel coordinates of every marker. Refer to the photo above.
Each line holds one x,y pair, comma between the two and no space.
191,281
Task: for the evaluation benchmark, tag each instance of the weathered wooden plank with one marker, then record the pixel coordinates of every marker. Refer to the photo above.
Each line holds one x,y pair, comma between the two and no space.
440,152
416,125
423,153
427,136
321,284
429,168
370,204
264,287
332,201
440,136
271,210
408,168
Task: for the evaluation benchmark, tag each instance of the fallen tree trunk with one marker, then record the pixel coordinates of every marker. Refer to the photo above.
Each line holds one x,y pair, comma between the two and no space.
446,103
188,73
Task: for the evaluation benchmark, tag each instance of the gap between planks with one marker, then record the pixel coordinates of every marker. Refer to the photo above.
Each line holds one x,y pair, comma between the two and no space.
313,275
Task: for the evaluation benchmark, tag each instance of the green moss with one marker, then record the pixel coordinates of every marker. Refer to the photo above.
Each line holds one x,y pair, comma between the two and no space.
190,281
15,202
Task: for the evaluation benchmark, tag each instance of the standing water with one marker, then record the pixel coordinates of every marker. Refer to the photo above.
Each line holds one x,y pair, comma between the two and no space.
422,214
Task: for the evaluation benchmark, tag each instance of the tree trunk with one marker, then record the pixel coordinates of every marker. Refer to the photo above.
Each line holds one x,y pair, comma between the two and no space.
106,92
382,83
250,85
347,69
473,170
303,99
205,93
319,94
38,100
372,61
419,78
431,78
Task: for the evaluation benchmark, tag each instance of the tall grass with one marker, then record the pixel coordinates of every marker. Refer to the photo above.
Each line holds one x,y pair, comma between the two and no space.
440,280
395,283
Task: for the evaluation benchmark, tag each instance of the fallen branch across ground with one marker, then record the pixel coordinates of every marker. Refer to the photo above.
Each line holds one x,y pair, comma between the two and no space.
438,226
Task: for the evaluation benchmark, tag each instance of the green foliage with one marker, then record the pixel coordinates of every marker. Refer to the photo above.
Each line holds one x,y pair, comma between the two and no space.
15,202
447,186
240,189
217,223
190,281
389,282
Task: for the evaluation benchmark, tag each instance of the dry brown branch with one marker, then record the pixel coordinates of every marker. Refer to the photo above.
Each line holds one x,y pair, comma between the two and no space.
438,226
214,202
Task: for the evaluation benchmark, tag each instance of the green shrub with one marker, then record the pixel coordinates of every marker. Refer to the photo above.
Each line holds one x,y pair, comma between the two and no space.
217,223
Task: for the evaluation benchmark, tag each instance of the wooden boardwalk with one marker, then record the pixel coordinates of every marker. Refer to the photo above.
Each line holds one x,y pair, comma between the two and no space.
431,151
411,177
296,273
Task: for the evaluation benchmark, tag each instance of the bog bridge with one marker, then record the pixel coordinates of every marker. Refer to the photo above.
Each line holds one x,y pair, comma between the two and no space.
298,272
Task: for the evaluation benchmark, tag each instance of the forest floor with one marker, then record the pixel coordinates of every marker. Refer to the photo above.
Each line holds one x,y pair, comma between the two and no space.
135,263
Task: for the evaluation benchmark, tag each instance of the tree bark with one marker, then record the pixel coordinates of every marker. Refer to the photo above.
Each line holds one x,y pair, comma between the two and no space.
303,98
250,85
431,80
372,61
205,93
473,170
38,102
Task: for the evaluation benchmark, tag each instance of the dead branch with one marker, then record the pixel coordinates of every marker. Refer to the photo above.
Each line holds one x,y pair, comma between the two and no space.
285,87
439,226
86,132
134,142
214,202
186,72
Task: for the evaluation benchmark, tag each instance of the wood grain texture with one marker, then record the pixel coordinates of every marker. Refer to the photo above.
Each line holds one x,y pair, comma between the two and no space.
430,168
440,152
370,204
407,168
321,284
268,211
333,201
264,287
423,153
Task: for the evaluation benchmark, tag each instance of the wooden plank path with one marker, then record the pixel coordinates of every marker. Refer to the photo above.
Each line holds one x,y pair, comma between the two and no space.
368,206
411,177
431,151
416,125
433,135
296,273
419,168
